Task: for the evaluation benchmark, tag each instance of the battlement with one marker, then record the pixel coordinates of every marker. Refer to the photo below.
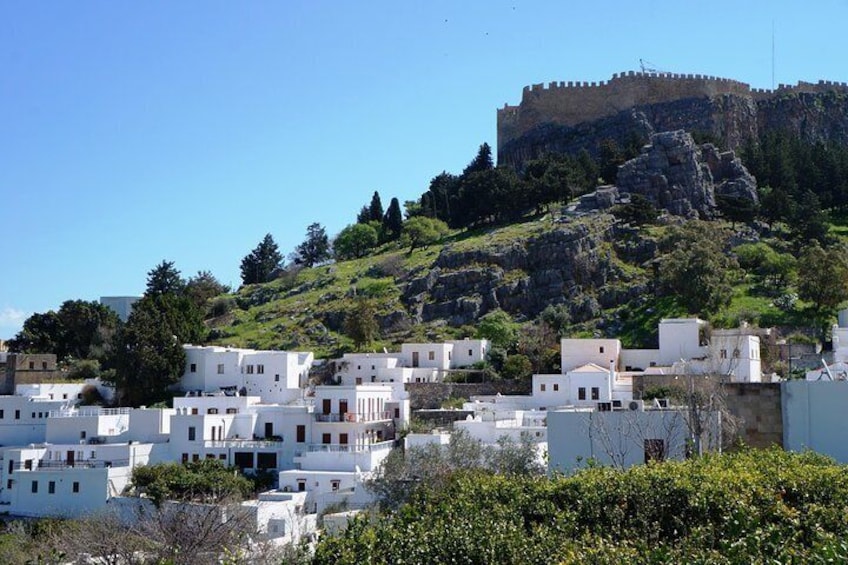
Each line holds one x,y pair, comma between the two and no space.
626,77
573,102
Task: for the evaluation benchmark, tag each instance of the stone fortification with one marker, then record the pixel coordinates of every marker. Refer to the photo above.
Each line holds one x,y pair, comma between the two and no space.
573,103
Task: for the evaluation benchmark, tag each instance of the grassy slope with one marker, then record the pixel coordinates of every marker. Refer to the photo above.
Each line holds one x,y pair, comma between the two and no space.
288,313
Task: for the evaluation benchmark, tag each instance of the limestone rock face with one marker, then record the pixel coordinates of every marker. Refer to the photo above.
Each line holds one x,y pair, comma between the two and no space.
567,264
675,174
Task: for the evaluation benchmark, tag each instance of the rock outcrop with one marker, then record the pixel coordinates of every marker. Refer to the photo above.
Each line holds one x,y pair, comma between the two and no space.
569,264
676,174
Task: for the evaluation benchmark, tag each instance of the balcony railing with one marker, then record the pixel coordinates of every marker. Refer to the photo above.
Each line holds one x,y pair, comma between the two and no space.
244,443
347,448
82,464
89,411
354,417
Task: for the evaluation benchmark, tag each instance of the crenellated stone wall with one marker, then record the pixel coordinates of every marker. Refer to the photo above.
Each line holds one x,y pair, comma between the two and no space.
571,103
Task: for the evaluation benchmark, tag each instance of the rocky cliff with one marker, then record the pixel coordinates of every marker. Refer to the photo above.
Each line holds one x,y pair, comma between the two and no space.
731,118
676,174
572,262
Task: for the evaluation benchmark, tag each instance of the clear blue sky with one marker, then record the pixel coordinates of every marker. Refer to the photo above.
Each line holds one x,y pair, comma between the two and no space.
132,132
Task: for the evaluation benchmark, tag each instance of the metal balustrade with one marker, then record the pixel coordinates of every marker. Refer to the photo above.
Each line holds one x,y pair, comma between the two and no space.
63,464
354,417
349,448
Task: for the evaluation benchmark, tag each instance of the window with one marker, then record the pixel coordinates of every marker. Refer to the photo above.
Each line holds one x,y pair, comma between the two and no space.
33,415
194,411
596,393
31,365
581,393
192,432
1,414
9,484
359,380
17,414
260,369
232,410
397,412
326,439
542,387
335,484
44,365
75,487
373,367
195,457
431,355
736,354
723,354
343,439
51,487
470,353
556,387
34,486
250,369
222,456
212,411
601,349
276,378
184,458
220,368
192,368
301,485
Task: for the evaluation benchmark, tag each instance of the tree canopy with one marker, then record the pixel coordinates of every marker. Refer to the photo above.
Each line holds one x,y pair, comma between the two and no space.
393,221
260,264
421,231
315,248
148,354
695,269
164,278
355,241
78,330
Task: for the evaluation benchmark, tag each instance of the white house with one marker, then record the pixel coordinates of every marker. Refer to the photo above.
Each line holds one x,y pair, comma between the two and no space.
276,376
415,363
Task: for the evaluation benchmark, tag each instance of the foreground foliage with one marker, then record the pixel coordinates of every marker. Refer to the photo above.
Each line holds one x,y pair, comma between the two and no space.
749,507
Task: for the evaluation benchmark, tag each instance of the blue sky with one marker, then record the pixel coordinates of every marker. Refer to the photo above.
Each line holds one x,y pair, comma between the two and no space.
132,132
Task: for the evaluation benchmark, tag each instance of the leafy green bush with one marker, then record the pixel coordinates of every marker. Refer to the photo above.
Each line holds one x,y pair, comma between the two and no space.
752,506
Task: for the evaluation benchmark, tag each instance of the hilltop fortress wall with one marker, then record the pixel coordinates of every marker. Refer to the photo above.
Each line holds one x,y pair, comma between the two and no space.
571,103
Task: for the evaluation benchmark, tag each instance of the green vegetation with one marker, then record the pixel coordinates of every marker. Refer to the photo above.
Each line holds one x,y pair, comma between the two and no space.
747,507
207,481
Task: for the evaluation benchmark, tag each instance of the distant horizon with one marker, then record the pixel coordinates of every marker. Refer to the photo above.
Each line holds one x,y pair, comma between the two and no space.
185,132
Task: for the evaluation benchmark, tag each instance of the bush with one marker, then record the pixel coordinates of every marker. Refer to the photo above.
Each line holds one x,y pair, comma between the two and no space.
752,506
221,306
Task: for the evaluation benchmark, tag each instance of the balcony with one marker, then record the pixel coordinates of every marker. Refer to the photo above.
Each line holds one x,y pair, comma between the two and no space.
243,443
89,464
88,412
354,418
349,448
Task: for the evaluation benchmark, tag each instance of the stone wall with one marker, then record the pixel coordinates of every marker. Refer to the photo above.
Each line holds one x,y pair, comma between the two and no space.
27,368
572,103
431,395
755,405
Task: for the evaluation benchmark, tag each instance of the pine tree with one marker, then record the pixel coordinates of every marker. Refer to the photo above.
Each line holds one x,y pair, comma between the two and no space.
315,248
164,278
482,162
262,262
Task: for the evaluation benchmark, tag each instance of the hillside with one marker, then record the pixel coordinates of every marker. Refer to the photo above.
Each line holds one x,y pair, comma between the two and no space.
599,269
